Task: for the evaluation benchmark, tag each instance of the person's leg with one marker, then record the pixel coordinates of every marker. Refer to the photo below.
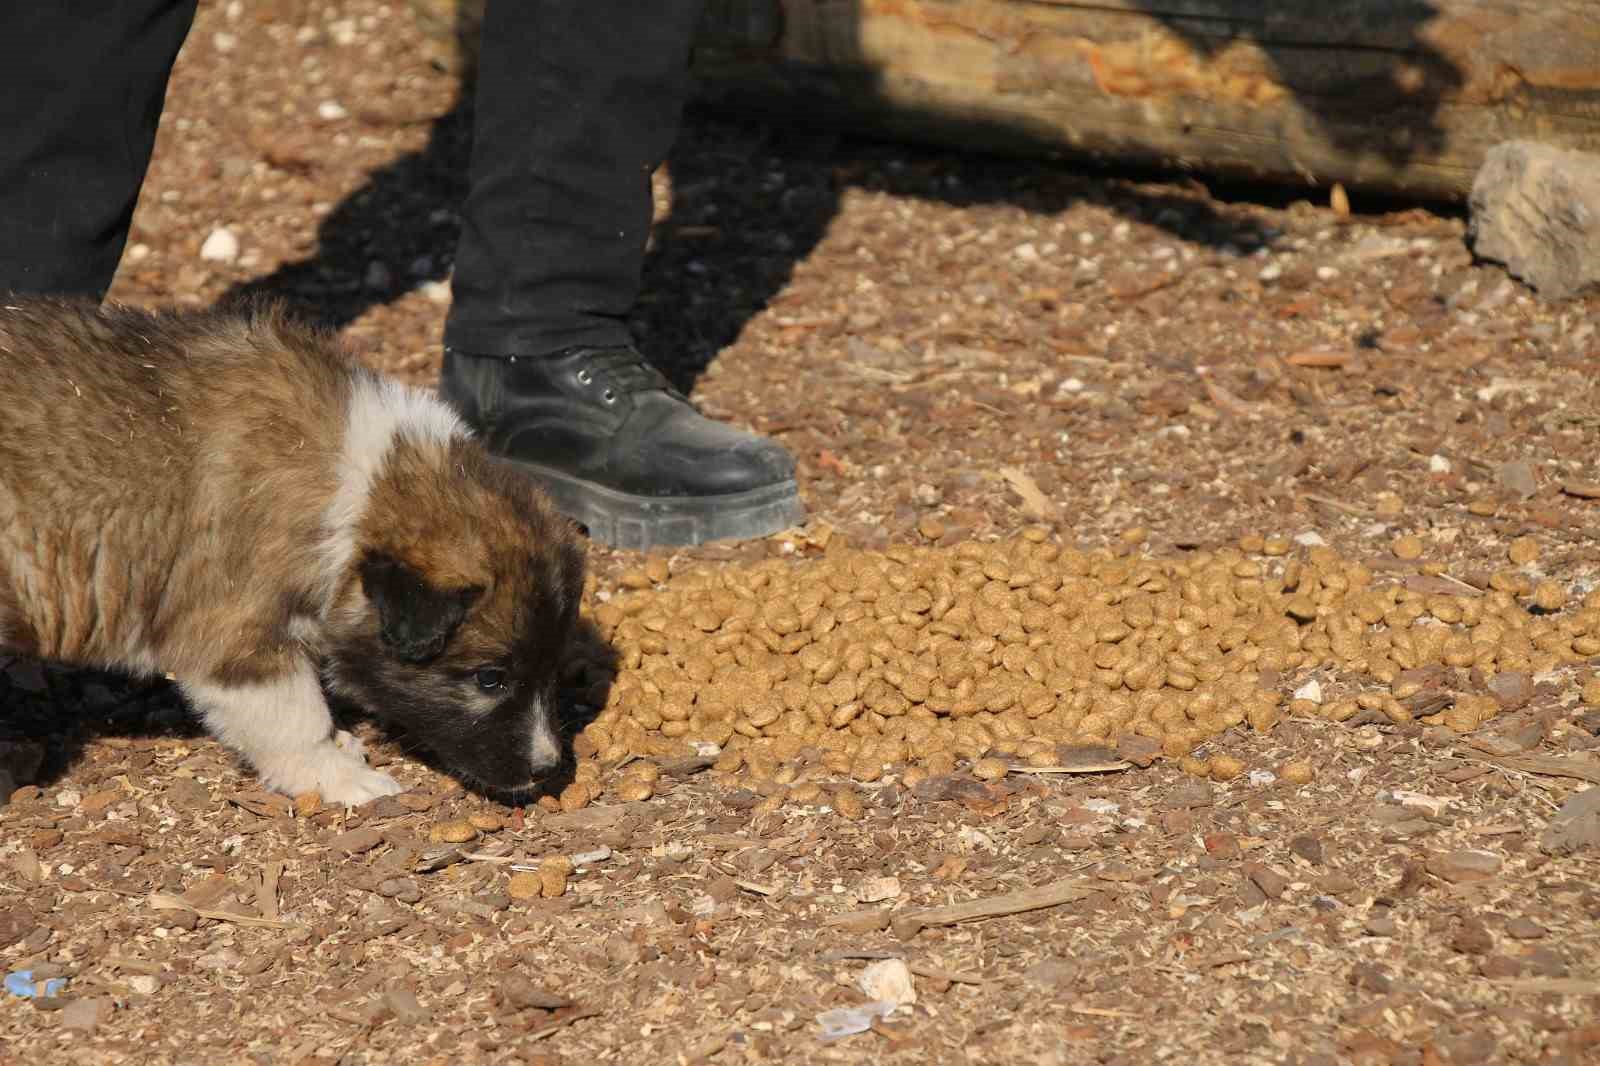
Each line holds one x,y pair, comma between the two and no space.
578,101
81,88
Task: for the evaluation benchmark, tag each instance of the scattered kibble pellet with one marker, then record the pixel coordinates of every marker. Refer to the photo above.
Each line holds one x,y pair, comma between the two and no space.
1408,546
634,790
553,873
1549,596
989,769
1225,767
576,796
452,832
1298,772
1523,551
525,885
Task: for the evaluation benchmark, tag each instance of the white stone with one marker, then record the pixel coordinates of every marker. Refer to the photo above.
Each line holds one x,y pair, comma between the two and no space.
889,981
1438,464
332,111
1311,690
220,247
878,889
1536,208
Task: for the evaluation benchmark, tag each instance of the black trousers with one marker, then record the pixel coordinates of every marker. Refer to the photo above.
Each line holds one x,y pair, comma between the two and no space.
577,102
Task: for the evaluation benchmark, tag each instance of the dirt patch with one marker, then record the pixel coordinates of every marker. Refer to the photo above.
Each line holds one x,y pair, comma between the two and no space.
1145,376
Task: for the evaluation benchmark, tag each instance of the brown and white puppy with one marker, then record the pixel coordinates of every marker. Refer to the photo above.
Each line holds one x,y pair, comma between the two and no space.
230,500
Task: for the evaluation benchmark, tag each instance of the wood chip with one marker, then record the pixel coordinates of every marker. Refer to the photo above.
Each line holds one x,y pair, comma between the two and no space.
162,901
560,1022
1321,357
263,804
1034,502
939,973
1560,986
1028,899
267,890
1082,768
1576,767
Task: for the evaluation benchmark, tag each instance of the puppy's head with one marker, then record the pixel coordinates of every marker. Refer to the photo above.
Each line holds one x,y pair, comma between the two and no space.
460,596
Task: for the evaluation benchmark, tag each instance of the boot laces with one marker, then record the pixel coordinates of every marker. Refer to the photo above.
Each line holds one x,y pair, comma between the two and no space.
619,372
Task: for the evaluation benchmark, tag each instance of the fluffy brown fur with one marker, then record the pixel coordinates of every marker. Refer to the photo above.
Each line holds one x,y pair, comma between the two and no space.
231,500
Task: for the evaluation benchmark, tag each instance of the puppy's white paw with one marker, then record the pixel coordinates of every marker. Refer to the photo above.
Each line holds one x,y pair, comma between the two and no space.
345,740
333,771
357,784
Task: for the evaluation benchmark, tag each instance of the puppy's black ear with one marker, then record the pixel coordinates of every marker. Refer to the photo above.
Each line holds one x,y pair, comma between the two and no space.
415,619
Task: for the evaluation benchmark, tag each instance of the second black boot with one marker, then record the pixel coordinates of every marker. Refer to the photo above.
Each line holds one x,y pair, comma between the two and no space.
622,452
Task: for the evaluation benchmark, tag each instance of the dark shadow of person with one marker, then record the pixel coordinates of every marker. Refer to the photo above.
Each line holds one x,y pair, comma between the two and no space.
750,201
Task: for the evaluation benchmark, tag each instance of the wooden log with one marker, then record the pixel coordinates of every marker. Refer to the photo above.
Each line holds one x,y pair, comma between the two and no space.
1401,96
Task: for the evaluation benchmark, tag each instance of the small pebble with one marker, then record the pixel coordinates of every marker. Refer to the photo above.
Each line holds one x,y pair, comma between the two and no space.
1464,865
221,246
403,889
1523,551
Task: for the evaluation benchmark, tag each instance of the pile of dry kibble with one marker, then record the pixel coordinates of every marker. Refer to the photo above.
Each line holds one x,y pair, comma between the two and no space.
990,655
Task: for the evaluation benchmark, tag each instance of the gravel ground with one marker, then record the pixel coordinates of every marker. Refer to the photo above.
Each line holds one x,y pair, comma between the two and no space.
957,349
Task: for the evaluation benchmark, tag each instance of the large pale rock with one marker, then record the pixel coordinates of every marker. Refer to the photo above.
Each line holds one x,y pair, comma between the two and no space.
1537,210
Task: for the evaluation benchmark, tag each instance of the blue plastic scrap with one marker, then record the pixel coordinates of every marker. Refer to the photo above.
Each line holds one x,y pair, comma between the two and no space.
21,983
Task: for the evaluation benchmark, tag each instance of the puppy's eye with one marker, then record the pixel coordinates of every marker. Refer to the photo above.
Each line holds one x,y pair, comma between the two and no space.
490,678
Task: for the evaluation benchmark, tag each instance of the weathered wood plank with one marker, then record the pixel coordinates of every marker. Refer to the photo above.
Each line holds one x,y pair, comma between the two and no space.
1395,95
1403,96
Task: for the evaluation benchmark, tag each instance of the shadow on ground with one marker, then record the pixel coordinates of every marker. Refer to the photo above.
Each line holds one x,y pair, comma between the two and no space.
718,258
54,712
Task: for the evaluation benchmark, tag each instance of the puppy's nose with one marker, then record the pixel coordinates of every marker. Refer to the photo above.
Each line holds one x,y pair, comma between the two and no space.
545,752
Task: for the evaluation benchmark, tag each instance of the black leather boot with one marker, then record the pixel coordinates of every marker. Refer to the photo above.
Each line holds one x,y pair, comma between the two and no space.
622,452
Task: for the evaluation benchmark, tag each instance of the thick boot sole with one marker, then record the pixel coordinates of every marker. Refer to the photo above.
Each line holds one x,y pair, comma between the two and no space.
639,523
